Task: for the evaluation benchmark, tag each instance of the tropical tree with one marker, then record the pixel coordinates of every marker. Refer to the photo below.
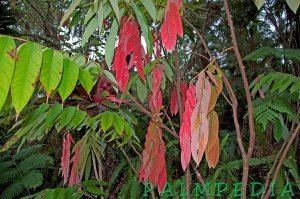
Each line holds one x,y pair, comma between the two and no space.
147,88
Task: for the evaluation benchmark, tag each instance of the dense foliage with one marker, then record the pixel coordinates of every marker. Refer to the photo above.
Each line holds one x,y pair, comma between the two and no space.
149,98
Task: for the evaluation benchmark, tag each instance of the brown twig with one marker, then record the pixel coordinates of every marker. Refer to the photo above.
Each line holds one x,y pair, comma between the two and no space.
248,97
129,161
282,158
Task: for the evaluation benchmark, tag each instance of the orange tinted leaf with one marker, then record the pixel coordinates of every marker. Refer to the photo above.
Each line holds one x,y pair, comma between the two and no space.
199,134
213,99
219,87
153,167
212,149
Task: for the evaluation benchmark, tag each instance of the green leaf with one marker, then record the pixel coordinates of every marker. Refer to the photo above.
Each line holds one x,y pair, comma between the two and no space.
100,16
284,129
79,59
119,124
148,4
66,116
163,82
95,190
34,115
277,130
259,3
52,67
75,18
7,65
53,113
168,71
87,80
77,119
69,79
26,72
92,26
94,183
141,90
114,5
144,25
294,5
72,7
91,12
16,137
110,43
32,180
106,120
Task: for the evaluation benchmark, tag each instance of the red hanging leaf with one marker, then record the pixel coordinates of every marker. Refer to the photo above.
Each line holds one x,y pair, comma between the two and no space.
199,120
153,166
74,177
185,130
121,69
183,88
129,52
65,157
155,97
174,102
172,25
212,150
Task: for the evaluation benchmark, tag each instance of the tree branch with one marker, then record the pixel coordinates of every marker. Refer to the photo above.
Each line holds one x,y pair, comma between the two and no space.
248,96
282,158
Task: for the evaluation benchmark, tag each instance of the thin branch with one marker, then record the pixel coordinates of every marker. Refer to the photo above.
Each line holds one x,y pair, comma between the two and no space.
248,97
129,161
282,158
200,37
169,119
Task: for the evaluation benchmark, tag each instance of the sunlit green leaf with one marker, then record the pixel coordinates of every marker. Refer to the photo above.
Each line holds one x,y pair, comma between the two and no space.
87,80
7,65
52,68
69,79
106,120
26,72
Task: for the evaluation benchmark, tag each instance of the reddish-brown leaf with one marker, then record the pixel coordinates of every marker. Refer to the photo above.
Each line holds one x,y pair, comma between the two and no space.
155,96
174,102
153,166
185,130
212,150
199,120
220,85
74,176
172,25
213,99
183,88
65,157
